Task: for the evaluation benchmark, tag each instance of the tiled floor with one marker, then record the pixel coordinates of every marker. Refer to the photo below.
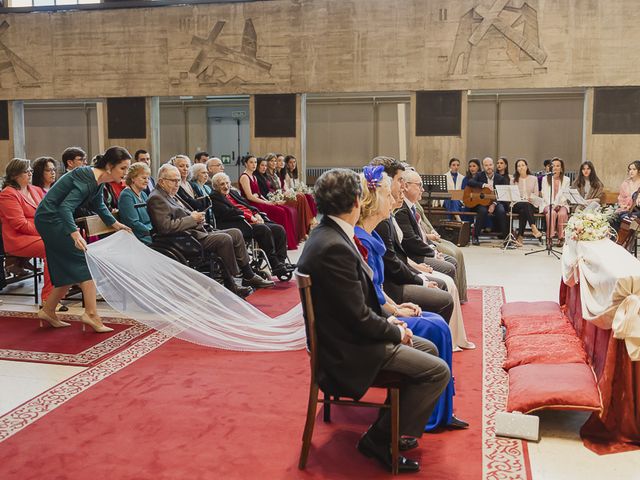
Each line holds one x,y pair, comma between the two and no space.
559,455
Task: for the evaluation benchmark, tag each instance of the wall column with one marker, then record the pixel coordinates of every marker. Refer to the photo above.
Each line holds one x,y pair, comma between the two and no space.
17,128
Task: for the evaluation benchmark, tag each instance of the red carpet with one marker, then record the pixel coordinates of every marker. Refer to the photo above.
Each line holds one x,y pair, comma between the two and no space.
185,411
22,339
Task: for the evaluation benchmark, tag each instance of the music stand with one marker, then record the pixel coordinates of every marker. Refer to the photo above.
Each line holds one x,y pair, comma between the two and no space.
511,194
549,247
433,183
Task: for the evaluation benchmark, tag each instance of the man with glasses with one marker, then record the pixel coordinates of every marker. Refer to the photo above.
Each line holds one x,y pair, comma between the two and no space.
214,166
418,247
170,216
73,157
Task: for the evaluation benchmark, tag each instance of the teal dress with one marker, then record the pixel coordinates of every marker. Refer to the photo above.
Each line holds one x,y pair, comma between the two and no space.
135,218
55,224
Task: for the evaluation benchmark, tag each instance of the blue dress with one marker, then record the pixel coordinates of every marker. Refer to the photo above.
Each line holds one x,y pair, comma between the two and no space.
428,325
135,218
455,205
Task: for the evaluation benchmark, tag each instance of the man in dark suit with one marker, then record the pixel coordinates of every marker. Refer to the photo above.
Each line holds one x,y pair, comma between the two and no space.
488,179
233,211
169,216
414,241
355,340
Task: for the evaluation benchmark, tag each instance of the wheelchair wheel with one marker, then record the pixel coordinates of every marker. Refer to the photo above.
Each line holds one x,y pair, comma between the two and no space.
172,253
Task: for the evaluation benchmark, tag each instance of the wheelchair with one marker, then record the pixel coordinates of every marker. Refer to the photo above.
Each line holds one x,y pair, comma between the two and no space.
185,249
260,263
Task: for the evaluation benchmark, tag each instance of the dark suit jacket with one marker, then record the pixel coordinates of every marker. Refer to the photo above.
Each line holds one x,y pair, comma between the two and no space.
168,216
192,202
396,270
412,242
352,332
480,179
227,215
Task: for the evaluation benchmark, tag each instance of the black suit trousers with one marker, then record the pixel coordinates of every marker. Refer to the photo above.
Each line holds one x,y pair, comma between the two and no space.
271,238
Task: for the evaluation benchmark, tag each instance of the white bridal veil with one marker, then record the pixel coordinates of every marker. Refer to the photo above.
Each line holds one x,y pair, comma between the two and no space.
168,296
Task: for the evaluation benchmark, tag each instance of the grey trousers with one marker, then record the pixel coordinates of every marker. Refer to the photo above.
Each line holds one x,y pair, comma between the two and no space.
433,300
229,246
427,376
446,266
448,248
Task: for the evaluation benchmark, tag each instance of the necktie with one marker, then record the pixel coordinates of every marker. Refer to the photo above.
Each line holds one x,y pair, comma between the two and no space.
361,248
416,215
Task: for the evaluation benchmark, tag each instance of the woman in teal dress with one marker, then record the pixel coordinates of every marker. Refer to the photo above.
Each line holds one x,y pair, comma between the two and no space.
132,202
376,206
198,177
63,243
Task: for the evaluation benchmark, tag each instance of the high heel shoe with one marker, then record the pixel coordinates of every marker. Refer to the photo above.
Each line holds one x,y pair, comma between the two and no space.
54,322
97,326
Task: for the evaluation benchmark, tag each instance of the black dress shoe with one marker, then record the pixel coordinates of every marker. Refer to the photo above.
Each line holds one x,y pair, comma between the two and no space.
258,282
382,453
242,292
457,424
475,241
407,443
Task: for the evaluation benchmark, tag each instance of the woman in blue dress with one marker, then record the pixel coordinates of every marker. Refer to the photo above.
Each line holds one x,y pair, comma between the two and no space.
375,207
132,202
63,243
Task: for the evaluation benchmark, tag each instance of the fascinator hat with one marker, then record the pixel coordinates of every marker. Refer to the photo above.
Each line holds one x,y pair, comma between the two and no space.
373,176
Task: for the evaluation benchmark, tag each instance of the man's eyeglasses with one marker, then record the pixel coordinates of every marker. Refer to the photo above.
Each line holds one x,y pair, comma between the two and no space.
415,183
175,181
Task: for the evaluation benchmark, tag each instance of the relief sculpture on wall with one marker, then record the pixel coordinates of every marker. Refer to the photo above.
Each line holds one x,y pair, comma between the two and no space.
216,64
500,39
13,68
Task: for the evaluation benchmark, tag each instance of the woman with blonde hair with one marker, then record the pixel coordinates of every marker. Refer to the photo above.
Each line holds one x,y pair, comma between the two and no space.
133,199
376,205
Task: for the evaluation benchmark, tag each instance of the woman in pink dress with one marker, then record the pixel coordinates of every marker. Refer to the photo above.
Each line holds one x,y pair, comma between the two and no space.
277,213
556,184
18,203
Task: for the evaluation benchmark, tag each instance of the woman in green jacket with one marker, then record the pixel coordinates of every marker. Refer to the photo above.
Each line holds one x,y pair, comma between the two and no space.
63,243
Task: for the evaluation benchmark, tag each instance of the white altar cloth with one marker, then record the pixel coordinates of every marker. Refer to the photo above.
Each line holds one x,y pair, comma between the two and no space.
609,281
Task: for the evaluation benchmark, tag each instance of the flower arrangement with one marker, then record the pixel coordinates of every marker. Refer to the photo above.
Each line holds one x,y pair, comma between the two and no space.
279,196
302,188
589,225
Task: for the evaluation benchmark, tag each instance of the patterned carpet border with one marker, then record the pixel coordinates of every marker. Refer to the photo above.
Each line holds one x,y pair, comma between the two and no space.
503,458
36,408
84,358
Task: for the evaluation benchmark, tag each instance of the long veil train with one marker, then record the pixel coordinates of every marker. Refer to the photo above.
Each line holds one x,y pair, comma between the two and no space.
168,296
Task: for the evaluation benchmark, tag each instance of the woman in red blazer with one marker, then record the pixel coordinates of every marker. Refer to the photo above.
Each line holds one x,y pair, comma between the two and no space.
18,202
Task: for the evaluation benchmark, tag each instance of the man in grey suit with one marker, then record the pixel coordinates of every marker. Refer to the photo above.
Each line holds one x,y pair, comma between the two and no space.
169,216
356,340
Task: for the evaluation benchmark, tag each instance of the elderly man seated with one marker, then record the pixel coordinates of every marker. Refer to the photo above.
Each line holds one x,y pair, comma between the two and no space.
233,211
170,215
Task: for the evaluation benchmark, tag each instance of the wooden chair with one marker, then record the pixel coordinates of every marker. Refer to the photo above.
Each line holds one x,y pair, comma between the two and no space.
390,382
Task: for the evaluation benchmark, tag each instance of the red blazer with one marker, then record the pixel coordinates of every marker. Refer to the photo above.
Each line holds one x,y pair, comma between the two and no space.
17,214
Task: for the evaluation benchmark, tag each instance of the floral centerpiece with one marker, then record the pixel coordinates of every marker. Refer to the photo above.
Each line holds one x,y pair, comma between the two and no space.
303,188
590,225
279,196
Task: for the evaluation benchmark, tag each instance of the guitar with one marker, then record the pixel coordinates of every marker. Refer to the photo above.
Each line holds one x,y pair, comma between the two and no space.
474,196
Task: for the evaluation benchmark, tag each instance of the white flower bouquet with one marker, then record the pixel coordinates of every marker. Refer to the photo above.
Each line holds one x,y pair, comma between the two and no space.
276,196
302,188
290,195
589,225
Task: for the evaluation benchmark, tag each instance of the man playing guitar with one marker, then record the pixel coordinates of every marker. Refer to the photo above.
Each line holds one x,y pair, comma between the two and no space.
487,179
